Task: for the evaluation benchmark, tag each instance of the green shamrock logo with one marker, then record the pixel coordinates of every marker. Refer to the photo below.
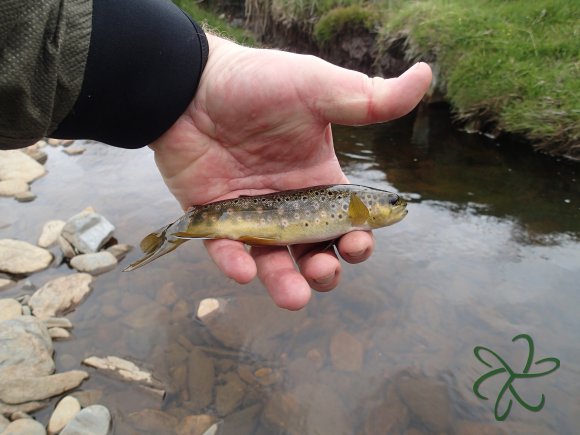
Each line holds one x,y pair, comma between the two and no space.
509,385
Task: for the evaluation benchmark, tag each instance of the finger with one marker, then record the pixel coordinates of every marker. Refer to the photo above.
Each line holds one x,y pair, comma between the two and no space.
232,259
276,270
351,98
357,246
320,268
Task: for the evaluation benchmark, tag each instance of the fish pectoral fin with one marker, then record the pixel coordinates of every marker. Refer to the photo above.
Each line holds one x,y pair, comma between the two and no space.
357,210
259,241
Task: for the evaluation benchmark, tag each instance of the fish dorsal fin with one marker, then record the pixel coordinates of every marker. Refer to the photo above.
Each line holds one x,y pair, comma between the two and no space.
357,210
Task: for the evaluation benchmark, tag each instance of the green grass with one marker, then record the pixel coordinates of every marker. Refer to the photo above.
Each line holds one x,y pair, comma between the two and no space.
334,21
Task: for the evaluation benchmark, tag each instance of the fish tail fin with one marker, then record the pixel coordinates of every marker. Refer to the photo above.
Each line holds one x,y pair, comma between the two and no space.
154,246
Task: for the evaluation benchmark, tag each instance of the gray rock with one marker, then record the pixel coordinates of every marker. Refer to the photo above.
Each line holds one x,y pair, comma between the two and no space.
15,164
24,426
87,231
93,420
18,257
58,333
60,295
25,348
120,250
3,423
67,249
50,232
64,412
13,187
57,322
95,263
26,389
6,409
9,309
26,196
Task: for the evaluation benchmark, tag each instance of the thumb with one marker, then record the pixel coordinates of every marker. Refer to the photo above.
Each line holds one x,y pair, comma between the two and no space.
351,98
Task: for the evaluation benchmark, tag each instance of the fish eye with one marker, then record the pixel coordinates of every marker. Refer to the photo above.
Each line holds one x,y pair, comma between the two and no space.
393,200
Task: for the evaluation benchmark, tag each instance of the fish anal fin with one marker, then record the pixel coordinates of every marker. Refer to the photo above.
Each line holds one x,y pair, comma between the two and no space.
259,241
357,210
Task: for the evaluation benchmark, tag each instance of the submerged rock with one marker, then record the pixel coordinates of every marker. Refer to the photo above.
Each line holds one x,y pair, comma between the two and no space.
93,420
26,196
64,412
18,257
50,232
346,352
60,295
87,231
95,263
14,164
201,373
195,424
30,388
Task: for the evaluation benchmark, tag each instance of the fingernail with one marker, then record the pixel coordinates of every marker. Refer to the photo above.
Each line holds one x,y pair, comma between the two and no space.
358,254
325,280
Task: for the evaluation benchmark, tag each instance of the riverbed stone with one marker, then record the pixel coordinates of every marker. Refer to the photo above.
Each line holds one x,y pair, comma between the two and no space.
26,389
88,397
346,352
229,396
67,249
24,426
153,421
95,263
50,232
13,187
58,333
74,150
123,368
87,231
9,309
19,257
93,420
57,322
26,196
120,250
35,151
3,423
195,424
64,412
5,283
201,373
60,295
14,164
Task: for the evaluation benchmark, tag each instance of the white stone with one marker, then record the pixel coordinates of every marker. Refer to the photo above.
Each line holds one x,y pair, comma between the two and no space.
64,412
87,232
207,307
58,333
18,257
74,150
15,164
120,250
31,388
4,422
50,232
5,283
60,295
93,420
27,196
95,263
57,322
13,187
9,309
24,426
126,369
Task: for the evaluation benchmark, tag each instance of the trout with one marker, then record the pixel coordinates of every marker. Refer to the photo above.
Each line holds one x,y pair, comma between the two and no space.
313,214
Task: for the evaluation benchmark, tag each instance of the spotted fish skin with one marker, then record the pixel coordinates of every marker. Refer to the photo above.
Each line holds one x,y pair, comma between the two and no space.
290,217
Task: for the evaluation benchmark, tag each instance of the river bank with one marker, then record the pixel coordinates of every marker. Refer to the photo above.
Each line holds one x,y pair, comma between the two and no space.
506,69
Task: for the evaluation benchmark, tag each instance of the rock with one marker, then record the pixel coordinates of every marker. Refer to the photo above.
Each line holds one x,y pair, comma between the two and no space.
229,396
5,283
119,250
24,426
35,151
207,307
390,416
67,249
3,423
18,257
242,422
123,368
346,352
64,412
50,232
57,322
195,424
74,150
93,420
87,232
6,409
201,372
153,421
58,333
26,389
25,348
88,397
167,295
9,309
212,430
27,196
95,263
13,187
60,295
14,164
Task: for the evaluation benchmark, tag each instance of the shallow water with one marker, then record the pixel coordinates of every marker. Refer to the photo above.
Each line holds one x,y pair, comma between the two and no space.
490,249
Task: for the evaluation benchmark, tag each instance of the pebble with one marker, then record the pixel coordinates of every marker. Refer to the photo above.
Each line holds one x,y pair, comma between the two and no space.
88,397
13,187
50,232
127,370
153,421
25,196
94,263
67,249
30,388
87,231
57,322
15,164
3,423
195,424
229,396
167,295
74,150
18,257
59,142
120,250
346,352
60,295
93,420
207,307
36,152
201,373
5,283
24,426
58,333
64,412
9,309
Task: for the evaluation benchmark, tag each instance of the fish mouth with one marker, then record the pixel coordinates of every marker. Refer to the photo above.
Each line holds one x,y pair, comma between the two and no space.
399,212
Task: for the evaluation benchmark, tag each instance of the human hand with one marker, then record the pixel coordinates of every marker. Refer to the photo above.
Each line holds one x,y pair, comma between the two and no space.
260,122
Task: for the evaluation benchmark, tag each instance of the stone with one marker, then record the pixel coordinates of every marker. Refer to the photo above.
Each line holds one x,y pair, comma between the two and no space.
390,416
3,423
120,250
87,232
64,412
88,397
195,424
93,420
25,348
207,307
153,421
74,150
27,196
57,322
18,257
26,389
14,164
125,369
242,422
229,396
60,295
50,232
201,373
9,309
167,295
5,283
6,409
13,187
35,151
67,249
58,333
95,263
346,352
24,426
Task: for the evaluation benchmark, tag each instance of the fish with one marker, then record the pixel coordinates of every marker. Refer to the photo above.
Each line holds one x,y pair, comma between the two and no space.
308,215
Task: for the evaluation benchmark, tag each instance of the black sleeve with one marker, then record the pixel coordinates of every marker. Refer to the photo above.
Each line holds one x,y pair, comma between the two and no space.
143,67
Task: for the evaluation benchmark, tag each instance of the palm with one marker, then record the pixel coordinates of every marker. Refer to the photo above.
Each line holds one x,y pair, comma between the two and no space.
260,122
